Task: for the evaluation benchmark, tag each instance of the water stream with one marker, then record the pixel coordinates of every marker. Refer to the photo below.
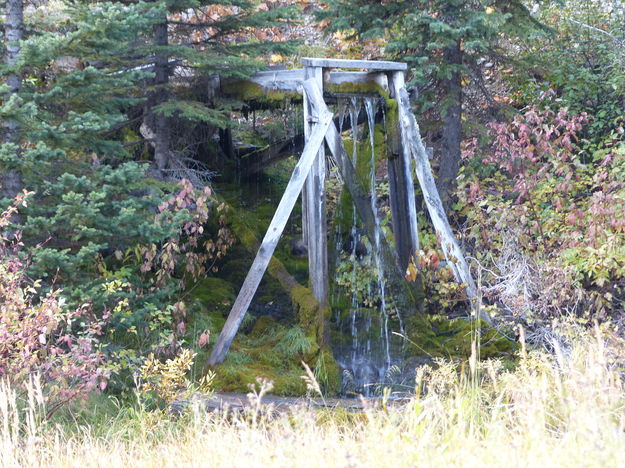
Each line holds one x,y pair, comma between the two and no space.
366,353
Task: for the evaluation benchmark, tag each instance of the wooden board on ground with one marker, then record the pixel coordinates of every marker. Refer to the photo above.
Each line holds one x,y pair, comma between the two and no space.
271,404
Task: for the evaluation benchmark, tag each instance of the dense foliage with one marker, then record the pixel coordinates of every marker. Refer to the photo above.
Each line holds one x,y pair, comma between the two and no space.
127,257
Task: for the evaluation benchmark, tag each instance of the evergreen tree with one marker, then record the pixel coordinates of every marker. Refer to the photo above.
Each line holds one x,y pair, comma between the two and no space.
196,41
442,41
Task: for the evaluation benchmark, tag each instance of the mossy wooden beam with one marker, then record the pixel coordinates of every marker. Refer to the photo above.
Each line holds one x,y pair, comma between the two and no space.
402,194
270,241
273,88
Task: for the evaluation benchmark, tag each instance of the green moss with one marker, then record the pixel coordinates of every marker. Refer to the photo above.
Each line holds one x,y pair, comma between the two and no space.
239,379
356,88
328,372
392,124
235,270
262,326
439,336
248,91
212,292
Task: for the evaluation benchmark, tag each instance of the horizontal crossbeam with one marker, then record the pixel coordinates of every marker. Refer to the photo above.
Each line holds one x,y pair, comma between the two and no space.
378,65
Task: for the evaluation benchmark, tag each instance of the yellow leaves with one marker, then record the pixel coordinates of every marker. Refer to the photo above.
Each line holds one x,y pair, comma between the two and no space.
412,272
275,58
168,379
490,10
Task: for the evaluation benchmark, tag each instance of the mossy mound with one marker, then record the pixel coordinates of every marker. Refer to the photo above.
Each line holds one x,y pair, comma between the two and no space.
438,336
275,352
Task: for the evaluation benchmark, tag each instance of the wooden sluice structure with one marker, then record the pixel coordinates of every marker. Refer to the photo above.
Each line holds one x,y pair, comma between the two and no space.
321,79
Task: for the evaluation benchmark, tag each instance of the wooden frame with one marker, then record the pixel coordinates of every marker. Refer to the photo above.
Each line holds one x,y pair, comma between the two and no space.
308,177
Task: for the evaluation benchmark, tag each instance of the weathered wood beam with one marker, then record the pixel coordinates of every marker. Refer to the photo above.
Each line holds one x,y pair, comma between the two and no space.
274,232
411,138
279,80
403,294
313,199
290,81
402,194
362,64
355,83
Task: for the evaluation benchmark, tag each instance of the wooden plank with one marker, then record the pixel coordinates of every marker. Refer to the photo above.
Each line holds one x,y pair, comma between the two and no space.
344,63
313,198
280,80
405,297
412,140
291,80
402,194
271,239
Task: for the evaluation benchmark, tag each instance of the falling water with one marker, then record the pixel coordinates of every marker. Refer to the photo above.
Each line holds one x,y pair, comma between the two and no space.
366,351
369,108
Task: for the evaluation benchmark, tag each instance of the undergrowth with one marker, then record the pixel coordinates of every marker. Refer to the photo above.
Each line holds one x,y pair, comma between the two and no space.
560,408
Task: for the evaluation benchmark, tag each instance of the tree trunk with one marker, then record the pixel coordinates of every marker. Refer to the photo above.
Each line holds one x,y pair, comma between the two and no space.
13,33
157,122
452,136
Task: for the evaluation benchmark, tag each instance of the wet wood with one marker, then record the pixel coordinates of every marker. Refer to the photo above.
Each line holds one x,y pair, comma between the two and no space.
411,138
271,238
361,64
402,194
377,79
313,199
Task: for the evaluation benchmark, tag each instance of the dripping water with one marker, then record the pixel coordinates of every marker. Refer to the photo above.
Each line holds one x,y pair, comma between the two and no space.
370,110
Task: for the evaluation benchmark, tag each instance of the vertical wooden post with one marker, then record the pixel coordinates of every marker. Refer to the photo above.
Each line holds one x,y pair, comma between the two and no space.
314,208
402,195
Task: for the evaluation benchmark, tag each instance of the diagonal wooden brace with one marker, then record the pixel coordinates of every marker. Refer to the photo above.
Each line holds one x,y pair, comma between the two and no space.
274,232
411,137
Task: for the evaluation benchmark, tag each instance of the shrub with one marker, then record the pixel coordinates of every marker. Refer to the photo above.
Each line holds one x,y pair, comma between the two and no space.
546,216
38,337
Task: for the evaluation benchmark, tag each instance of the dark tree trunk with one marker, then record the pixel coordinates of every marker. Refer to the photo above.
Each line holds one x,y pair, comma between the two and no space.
452,120
13,30
158,123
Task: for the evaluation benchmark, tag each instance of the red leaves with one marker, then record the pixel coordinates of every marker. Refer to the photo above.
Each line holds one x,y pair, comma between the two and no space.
204,339
184,248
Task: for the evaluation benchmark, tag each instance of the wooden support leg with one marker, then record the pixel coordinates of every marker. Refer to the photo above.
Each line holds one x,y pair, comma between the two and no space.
411,138
313,201
272,237
399,209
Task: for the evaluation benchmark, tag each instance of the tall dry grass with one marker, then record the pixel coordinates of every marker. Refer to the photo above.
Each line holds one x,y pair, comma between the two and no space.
566,408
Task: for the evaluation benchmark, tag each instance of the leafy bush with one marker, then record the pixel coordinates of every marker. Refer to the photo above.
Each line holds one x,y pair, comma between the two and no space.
547,226
38,337
581,62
